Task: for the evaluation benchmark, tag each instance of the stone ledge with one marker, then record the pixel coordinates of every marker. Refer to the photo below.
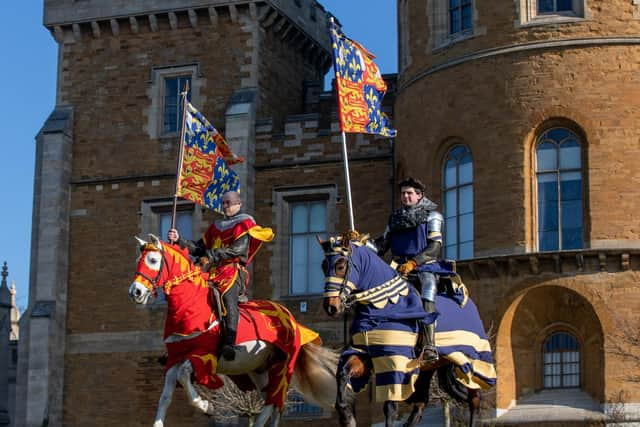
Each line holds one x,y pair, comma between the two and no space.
562,263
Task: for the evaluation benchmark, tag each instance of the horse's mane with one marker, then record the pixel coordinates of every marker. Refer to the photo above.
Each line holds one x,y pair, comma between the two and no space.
178,254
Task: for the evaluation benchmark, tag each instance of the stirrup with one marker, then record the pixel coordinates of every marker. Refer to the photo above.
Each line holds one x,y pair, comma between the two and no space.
429,355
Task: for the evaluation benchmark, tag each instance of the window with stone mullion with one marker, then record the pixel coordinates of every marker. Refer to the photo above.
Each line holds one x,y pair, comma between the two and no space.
554,6
561,361
460,15
458,204
559,186
172,105
307,220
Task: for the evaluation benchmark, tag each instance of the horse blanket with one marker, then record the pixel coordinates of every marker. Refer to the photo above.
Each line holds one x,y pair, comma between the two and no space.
460,337
259,320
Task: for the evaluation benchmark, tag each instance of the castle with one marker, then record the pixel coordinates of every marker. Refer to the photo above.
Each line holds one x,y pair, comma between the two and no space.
519,116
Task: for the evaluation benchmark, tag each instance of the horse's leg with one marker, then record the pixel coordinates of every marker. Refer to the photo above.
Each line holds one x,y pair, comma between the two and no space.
345,399
473,400
184,377
419,398
390,409
275,418
263,417
170,379
260,380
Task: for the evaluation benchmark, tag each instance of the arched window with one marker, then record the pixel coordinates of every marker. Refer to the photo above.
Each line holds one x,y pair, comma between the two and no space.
458,203
561,361
559,184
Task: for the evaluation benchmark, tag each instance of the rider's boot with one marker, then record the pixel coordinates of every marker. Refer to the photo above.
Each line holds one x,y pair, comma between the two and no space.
231,324
230,299
429,352
229,349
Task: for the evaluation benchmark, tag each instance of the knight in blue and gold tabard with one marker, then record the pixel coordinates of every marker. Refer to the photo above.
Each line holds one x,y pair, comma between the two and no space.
414,236
230,245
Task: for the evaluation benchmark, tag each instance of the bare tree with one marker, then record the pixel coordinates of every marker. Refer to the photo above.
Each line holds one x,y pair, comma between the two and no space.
232,402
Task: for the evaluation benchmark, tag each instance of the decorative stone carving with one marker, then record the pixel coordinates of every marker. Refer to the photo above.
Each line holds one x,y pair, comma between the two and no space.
115,27
193,18
133,23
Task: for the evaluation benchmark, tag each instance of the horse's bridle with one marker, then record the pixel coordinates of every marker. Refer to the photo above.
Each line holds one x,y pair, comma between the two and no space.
343,290
152,284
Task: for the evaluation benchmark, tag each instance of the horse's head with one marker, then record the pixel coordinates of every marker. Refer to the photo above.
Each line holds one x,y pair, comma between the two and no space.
340,278
149,271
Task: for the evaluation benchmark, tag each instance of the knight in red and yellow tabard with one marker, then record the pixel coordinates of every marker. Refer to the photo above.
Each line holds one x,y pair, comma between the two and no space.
230,244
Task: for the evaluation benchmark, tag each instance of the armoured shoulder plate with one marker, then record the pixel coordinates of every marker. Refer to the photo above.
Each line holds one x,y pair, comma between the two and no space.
434,222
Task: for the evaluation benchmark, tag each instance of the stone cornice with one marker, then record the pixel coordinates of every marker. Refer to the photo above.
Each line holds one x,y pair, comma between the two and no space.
563,263
332,159
517,48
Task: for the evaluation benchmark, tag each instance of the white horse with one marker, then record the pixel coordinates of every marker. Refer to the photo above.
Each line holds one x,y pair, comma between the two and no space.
261,360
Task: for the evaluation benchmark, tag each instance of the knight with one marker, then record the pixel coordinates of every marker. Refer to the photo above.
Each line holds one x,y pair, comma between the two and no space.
414,236
229,245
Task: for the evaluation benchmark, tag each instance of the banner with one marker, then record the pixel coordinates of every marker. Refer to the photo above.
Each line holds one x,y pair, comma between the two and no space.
205,174
360,87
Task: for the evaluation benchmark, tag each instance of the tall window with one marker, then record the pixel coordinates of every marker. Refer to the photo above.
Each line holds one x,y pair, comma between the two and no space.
554,6
297,407
156,218
458,203
561,361
308,219
559,184
184,224
460,15
172,103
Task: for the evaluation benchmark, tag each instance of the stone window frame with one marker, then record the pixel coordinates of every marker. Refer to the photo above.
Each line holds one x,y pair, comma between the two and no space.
455,145
156,94
528,14
541,339
150,211
152,208
283,197
440,35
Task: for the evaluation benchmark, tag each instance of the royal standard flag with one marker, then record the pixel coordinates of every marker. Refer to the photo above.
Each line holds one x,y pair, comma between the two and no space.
360,87
205,174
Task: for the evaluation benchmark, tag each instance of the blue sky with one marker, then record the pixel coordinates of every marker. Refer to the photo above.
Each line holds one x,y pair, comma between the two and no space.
28,84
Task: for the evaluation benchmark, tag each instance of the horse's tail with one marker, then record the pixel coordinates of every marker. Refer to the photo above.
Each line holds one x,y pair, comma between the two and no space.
449,383
315,374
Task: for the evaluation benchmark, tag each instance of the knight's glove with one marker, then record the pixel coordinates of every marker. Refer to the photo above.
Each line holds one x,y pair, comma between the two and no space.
407,267
214,256
210,261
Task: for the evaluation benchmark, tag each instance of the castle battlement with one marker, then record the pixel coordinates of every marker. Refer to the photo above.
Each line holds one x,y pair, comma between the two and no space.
305,24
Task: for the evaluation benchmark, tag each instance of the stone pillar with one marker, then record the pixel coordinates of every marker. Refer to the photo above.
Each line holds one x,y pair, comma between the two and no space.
5,330
41,346
240,123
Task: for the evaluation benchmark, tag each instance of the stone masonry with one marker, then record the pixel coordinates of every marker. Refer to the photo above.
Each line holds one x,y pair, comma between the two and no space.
495,89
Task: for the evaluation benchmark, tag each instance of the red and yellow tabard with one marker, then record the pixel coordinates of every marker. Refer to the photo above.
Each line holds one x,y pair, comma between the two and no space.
223,233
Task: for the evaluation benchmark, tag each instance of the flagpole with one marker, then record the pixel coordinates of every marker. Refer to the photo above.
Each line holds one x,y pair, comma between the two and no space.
345,156
180,154
345,159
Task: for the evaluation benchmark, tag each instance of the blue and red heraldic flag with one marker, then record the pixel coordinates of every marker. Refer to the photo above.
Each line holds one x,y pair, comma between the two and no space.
360,87
205,175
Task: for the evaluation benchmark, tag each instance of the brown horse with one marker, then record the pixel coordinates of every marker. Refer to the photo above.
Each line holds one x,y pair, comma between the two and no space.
357,278
273,346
